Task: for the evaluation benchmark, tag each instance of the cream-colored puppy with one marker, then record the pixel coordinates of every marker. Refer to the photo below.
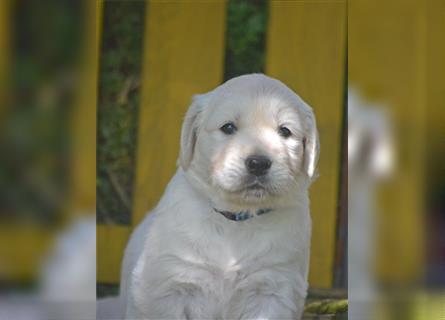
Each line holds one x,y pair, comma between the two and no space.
230,237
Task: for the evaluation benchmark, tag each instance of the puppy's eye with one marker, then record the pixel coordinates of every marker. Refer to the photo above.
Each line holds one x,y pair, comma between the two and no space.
284,132
228,128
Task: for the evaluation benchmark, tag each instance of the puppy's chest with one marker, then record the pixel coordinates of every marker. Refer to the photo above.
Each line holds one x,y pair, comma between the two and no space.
224,265
221,261
235,252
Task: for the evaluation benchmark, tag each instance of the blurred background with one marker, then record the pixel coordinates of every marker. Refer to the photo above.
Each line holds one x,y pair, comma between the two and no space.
90,90
396,135
48,77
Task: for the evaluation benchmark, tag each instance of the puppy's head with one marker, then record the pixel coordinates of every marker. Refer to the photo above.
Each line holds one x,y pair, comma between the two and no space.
250,140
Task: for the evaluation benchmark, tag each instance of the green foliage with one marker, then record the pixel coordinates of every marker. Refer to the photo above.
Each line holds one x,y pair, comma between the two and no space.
246,28
327,307
120,65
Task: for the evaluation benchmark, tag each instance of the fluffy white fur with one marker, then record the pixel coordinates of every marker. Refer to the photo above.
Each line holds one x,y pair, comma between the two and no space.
186,261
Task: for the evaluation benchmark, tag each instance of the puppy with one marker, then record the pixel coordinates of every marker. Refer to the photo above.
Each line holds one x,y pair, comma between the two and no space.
230,237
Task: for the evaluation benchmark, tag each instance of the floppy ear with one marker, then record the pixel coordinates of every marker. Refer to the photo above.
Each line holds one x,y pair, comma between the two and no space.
189,131
311,145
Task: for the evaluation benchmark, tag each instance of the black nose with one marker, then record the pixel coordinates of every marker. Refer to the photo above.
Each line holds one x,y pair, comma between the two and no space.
258,165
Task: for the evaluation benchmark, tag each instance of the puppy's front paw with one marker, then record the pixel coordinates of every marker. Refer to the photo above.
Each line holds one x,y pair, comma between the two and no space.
266,307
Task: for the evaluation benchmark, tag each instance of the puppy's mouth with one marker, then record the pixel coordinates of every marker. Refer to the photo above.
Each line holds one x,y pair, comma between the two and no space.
252,188
255,186
255,183
255,192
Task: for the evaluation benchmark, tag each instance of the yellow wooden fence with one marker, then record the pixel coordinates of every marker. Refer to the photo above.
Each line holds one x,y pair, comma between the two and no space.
184,55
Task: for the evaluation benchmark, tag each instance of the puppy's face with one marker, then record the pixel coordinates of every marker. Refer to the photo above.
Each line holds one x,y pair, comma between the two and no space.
250,140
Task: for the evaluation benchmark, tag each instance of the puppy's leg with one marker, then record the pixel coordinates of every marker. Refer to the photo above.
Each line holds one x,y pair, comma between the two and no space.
171,306
172,300
262,302
269,307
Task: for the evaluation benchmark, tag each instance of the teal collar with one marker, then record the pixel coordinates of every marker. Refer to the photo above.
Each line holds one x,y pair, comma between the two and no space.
242,215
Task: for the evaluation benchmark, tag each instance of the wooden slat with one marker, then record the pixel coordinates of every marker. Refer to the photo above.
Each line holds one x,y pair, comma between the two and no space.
83,125
183,56
386,61
111,241
306,50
